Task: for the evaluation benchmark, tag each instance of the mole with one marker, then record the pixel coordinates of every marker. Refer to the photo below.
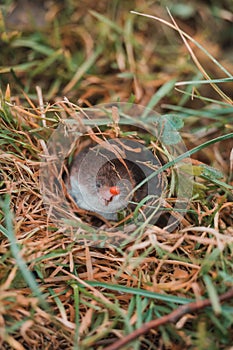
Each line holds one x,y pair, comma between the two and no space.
105,187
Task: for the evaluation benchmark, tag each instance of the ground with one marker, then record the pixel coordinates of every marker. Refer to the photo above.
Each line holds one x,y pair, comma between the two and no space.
59,290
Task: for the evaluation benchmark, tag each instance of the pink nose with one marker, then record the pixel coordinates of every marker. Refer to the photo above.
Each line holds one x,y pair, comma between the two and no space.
114,190
107,193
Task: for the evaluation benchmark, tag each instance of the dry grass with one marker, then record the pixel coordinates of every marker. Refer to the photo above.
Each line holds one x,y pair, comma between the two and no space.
60,292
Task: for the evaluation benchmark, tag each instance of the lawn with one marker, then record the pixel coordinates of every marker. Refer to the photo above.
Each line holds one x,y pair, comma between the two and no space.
157,73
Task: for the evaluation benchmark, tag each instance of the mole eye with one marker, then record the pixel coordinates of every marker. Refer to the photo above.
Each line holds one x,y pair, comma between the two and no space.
98,184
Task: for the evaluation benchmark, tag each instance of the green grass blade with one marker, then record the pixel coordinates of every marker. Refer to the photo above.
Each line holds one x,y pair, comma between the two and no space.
163,91
15,250
141,292
212,294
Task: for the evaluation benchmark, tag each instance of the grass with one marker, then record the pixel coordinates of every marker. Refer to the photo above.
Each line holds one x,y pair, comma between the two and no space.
58,290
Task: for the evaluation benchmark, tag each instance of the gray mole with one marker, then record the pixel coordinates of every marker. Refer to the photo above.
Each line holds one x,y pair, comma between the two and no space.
108,191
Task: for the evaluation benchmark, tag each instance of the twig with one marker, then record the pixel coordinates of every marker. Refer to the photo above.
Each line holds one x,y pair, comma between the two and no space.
41,104
173,317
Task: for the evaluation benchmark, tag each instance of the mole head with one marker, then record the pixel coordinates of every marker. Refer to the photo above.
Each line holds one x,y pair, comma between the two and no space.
112,183
107,193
